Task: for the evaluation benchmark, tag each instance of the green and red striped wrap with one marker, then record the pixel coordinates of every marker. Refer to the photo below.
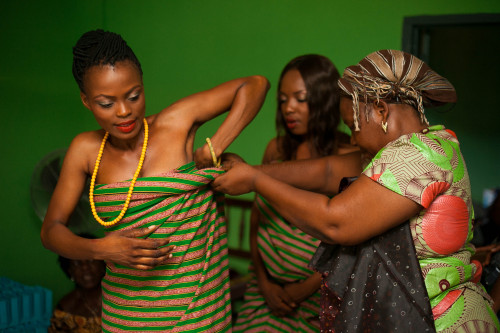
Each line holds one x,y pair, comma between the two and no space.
191,291
285,251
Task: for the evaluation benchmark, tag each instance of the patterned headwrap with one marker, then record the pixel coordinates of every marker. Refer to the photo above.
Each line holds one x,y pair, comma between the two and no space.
395,77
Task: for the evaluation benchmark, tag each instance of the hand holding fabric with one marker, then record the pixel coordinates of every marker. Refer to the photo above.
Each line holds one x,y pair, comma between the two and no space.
203,158
238,179
133,249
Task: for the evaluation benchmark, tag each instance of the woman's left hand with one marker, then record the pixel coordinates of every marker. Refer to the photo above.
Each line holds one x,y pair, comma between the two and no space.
203,157
238,179
297,291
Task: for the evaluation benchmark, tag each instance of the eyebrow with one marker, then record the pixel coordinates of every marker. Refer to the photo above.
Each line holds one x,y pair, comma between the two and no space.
127,93
294,92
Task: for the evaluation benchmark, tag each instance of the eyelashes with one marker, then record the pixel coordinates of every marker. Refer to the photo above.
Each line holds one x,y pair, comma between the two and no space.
109,105
106,105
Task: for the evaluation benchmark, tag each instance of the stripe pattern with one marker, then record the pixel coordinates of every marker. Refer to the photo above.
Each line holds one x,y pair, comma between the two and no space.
190,292
286,252
395,77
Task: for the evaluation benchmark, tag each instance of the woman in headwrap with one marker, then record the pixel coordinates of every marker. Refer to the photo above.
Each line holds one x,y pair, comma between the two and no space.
386,274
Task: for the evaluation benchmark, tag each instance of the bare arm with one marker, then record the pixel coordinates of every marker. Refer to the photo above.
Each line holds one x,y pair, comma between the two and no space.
120,247
321,175
364,210
243,99
300,291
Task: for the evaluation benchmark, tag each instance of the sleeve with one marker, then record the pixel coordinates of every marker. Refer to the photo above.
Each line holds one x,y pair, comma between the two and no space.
412,166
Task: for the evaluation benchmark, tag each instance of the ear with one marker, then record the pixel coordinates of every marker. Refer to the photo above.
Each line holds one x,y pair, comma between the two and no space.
84,99
380,111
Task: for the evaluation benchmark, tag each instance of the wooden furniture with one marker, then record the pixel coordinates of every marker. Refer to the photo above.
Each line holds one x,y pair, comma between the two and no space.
238,229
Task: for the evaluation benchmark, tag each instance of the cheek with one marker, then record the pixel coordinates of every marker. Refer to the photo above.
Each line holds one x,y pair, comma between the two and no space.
304,112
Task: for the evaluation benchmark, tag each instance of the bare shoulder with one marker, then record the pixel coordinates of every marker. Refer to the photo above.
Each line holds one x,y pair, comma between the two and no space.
87,140
83,149
272,153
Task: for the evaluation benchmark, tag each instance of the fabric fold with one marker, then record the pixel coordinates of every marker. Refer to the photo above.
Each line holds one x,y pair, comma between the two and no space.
191,291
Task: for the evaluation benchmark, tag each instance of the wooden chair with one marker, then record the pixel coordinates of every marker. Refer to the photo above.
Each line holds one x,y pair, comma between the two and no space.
238,229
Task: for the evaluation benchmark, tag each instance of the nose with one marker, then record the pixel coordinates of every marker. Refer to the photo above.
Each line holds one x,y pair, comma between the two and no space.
288,107
123,110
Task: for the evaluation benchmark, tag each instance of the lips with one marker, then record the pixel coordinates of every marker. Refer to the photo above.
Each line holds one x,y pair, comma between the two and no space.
291,123
126,126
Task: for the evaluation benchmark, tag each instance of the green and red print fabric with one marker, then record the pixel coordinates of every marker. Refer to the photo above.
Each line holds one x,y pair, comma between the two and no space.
190,293
429,169
285,251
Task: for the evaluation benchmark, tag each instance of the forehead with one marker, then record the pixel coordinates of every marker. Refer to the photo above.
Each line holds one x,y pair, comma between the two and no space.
346,111
108,79
292,81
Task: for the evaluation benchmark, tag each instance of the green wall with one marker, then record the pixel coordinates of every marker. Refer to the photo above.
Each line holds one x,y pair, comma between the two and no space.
184,47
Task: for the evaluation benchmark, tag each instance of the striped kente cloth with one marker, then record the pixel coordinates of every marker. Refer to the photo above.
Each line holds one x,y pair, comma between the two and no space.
286,252
191,292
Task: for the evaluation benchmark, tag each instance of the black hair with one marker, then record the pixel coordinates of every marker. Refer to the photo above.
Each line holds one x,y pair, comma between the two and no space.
97,48
65,263
323,99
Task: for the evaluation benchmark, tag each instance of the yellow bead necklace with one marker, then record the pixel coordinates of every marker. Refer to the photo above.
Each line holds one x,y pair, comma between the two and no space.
132,183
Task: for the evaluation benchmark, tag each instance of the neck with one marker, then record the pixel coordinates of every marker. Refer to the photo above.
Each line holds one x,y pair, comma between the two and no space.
405,120
128,144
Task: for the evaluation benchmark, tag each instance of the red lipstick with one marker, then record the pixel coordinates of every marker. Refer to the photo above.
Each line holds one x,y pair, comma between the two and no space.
126,126
291,123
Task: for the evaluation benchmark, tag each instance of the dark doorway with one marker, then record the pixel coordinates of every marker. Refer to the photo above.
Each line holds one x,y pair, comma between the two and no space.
466,50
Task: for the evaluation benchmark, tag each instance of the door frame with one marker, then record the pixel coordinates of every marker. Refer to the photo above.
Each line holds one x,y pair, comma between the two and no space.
414,29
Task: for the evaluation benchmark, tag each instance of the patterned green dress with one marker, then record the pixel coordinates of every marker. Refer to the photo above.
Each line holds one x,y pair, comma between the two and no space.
191,292
429,169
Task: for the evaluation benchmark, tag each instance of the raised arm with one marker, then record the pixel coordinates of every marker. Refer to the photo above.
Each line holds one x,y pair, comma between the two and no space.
364,210
242,97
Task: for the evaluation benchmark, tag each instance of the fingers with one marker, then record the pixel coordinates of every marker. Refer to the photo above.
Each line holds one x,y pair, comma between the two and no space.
227,165
147,254
203,157
158,253
139,232
281,309
288,300
277,301
148,259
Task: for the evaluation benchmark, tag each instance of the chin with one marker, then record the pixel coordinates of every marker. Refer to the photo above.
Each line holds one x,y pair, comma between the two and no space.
298,132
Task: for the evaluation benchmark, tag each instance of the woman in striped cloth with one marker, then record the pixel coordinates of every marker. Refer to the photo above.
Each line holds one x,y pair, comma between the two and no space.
165,244
417,174
283,295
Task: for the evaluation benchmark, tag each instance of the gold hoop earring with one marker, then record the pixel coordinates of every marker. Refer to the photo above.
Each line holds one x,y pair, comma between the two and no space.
384,127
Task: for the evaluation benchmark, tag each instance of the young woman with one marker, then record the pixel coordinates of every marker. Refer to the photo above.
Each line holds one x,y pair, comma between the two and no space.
284,293
417,174
165,246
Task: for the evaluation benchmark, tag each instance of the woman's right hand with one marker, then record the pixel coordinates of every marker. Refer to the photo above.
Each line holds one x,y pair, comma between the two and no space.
130,248
277,299
238,179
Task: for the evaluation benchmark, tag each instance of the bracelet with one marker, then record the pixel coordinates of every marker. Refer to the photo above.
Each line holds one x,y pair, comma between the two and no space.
212,152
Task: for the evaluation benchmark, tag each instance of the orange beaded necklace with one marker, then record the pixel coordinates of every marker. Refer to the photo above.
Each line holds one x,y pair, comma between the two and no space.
132,183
